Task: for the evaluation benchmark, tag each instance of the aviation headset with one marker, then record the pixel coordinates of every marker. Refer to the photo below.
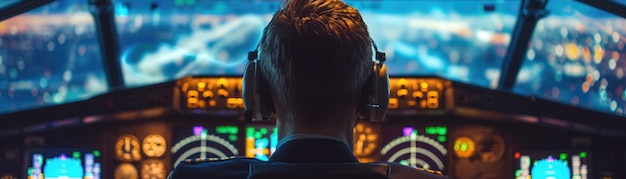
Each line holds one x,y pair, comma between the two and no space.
258,101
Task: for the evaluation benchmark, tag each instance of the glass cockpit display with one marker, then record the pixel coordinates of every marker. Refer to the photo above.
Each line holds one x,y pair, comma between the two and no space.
194,142
553,165
423,147
261,141
63,163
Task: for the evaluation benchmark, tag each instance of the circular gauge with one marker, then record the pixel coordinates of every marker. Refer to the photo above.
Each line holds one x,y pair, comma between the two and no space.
126,171
154,145
365,141
490,148
464,147
127,148
153,169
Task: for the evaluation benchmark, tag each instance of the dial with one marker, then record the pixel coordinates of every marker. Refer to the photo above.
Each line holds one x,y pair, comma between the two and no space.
154,145
365,142
127,148
126,171
153,169
464,147
490,148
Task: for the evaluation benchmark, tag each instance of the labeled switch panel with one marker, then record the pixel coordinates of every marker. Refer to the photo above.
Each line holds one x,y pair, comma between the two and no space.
421,93
210,92
417,93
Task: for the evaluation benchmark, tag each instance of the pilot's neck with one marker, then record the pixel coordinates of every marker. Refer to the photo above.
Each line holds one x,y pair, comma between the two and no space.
341,130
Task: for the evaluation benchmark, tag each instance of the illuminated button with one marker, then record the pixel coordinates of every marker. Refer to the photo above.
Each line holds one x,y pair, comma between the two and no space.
424,85
411,102
402,83
201,103
192,103
192,99
212,103
201,85
223,93
423,104
418,95
403,93
433,94
185,87
433,103
234,103
207,94
222,83
439,86
393,103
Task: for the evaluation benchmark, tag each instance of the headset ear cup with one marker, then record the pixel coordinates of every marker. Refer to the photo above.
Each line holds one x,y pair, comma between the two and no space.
247,91
382,94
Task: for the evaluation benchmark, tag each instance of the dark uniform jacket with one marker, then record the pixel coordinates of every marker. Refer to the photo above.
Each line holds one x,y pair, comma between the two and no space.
292,151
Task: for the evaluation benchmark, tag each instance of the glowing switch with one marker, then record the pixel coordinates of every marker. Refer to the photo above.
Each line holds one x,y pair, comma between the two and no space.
222,83
393,103
207,94
192,99
185,87
402,83
234,102
201,85
418,95
403,93
432,94
433,103
223,93
411,102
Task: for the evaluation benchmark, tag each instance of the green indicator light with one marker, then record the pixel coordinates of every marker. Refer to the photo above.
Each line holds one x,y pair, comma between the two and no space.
204,133
415,133
518,173
275,130
226,129
263,130
234,129
563,156
75,154
258,135
443,130
96,153
431,130
442,138
249,132
179,2
221,129
30,170
583,154
464,147
233,138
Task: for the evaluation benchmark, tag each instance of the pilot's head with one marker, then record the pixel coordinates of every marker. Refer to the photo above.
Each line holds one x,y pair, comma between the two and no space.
316,56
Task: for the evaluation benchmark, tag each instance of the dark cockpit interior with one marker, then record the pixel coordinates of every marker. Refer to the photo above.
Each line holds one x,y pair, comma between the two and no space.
491,89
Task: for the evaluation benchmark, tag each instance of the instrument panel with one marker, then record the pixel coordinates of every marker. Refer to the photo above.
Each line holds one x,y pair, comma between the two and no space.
433,124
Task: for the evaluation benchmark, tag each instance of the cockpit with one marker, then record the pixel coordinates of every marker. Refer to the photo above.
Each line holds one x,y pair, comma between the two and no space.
478,88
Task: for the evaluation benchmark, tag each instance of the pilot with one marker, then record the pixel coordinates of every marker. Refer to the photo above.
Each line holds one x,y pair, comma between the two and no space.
315,58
